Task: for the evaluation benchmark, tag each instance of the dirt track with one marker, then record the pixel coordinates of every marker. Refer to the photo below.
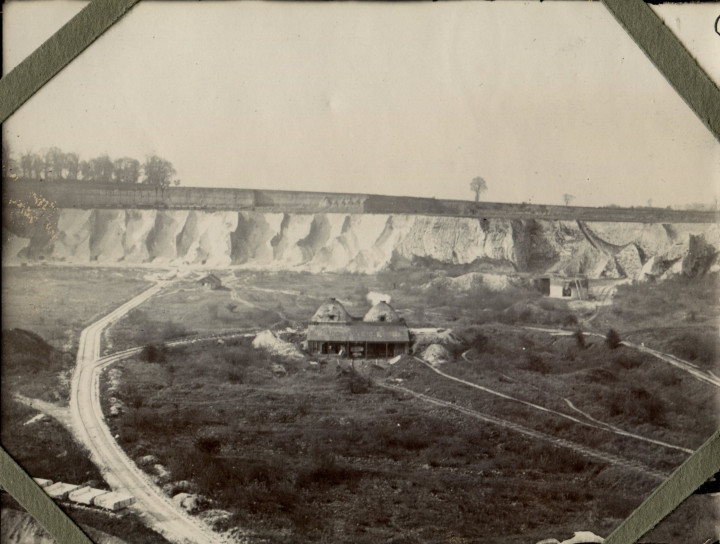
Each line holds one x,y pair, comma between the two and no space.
561,442
117,468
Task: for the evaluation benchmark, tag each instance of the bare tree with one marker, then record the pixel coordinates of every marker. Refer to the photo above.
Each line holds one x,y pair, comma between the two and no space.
85,171
54,163
38,167
26,165
9,165
568,198
478,185
71,166
102,169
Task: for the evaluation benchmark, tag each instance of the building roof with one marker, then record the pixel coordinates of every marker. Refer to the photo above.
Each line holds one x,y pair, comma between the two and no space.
331,311
382,312
358,332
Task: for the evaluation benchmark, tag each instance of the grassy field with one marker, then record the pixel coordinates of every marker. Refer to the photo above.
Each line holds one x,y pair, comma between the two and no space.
680,316
45,448
58,302
186,308
622,387
276,299
324,455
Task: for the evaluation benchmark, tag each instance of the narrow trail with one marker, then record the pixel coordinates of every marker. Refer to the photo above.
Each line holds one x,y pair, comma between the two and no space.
56,411
236,297
604,297
117,468
693,370
595,424
560,442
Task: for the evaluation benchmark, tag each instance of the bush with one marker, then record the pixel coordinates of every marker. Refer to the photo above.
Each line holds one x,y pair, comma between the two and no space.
535,363
639,406
354,382
325,470
236,376
154,353
695,347
627,362
209,445
579,339
612,339
570,321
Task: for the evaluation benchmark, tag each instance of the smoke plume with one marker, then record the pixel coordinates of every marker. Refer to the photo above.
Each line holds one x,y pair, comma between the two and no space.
375,297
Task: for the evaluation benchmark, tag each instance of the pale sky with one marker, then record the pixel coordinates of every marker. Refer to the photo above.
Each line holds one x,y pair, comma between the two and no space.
540,99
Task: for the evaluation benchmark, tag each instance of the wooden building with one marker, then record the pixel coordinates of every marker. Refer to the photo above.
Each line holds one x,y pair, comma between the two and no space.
333,331
568,287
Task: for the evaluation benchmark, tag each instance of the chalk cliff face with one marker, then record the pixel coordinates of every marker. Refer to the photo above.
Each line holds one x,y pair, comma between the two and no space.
355,242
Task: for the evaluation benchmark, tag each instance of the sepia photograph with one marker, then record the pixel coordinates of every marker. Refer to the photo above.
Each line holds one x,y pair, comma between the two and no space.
359,272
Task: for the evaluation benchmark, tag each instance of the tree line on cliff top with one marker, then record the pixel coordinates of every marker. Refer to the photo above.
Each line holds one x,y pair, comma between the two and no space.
56,165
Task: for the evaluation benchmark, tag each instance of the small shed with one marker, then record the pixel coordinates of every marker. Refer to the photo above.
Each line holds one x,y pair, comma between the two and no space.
567,287
211,281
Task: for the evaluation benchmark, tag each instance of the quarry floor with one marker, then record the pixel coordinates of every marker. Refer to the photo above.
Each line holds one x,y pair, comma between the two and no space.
394,463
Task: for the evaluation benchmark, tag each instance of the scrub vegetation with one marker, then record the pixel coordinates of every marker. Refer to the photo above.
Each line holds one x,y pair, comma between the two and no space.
316,451
324,454
58,302
40,443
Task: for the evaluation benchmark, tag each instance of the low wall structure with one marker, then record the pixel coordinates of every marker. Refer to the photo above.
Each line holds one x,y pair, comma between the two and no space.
61,490
86,495
38,194
115,500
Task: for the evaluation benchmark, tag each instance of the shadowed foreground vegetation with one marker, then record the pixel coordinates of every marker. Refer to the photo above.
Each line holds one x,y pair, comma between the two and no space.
324,455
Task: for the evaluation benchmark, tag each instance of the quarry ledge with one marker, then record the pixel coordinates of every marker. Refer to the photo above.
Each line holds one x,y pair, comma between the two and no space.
88,196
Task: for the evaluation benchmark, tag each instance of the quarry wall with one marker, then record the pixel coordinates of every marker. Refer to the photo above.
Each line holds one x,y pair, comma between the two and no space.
353,242
179,226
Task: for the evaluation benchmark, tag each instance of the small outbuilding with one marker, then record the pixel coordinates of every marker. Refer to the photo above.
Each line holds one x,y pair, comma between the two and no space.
211,281
567,287
380,334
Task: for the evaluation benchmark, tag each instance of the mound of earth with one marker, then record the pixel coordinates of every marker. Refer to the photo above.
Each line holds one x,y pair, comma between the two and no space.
27,348
436,354
33,368
269,342
472,280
